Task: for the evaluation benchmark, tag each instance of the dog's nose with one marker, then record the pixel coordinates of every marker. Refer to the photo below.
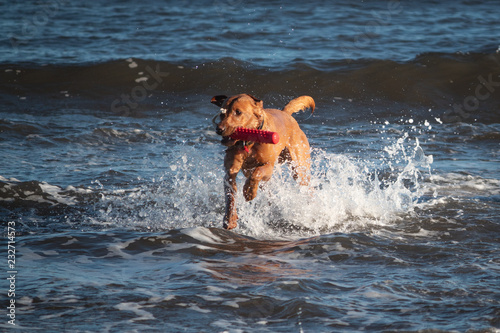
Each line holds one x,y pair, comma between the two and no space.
219,130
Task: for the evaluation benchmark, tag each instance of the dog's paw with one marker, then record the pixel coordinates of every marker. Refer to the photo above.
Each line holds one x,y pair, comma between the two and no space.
230,223
250,189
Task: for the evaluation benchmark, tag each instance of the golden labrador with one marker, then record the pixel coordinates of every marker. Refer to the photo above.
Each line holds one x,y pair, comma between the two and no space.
255,159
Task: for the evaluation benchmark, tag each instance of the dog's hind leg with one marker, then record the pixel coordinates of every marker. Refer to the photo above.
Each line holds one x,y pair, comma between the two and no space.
300,162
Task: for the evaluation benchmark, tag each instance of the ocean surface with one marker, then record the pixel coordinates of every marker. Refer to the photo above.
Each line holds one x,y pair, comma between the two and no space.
111,174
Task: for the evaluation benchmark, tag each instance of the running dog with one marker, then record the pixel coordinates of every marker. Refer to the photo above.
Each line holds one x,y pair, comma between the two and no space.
255,159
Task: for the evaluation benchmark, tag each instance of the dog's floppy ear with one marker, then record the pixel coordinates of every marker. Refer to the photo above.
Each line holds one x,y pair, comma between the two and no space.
218,100
257,101
259,110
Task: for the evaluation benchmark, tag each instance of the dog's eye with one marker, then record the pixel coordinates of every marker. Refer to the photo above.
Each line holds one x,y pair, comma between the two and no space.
237,113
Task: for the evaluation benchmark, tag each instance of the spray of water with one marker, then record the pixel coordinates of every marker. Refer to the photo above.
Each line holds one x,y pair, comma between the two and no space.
346,194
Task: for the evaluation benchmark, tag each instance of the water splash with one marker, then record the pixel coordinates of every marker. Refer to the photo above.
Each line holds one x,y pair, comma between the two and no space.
347,194
187,194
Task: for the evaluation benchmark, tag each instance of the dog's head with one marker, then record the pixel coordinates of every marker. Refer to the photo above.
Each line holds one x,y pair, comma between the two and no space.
237,111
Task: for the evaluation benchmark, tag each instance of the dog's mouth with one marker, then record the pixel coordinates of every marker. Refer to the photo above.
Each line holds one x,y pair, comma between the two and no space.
226,136
227,141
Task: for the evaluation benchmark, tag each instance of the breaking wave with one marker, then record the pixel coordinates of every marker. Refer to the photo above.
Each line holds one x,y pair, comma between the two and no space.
436,80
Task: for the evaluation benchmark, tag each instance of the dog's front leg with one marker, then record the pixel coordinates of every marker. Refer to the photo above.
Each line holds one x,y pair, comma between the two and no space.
231,215
261,173
232,164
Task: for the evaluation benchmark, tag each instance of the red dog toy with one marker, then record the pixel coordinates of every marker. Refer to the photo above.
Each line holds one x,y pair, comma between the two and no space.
255,135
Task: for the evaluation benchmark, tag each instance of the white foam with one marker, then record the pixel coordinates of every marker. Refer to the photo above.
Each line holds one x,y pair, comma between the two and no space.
54,192
227,326
3,179
70,241
156,299
216,289
196,308
234,303
210,298
25,300
136,309
57,314
202,234
457,184
117,250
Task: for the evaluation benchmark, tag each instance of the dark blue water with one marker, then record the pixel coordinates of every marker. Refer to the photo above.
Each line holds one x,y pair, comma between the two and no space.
111,177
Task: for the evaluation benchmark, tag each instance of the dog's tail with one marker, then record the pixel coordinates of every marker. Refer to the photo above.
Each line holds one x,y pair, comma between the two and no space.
299,104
